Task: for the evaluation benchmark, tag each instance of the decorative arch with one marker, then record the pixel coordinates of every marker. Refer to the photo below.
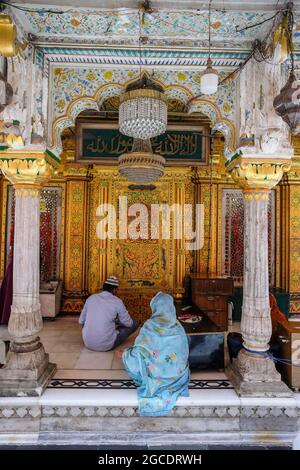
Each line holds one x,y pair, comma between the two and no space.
108,91
77,106
68,120
219,123
172,92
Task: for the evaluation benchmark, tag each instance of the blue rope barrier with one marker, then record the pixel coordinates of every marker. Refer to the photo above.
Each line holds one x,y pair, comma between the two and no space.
287,362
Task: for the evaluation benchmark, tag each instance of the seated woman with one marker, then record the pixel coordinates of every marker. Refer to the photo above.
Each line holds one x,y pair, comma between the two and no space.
158,361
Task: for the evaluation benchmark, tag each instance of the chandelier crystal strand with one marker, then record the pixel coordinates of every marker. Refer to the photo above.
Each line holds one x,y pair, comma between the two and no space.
143,110
143,113
141,165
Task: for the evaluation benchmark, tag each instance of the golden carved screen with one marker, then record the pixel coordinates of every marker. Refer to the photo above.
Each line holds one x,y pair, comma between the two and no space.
143,266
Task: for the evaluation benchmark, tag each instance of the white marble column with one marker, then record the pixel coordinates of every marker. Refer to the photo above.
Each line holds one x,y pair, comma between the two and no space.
253,373
27,370
256,324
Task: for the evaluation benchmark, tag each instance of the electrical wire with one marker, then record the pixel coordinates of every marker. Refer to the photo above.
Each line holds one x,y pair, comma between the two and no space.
32,10
257,24
209,28
148,10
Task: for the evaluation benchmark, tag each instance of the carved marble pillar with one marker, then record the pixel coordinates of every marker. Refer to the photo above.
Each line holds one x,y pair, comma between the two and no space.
27,371
253,373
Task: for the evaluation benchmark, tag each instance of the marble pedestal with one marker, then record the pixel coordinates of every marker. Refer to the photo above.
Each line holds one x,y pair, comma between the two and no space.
254,376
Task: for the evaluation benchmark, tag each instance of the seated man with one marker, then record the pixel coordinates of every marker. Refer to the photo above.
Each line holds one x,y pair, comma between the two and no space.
105,320
235,340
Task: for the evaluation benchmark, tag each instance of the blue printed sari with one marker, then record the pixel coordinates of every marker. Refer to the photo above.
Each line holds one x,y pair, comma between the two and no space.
158,361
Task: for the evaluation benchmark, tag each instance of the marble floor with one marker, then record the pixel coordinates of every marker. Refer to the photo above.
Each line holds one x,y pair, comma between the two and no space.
62,340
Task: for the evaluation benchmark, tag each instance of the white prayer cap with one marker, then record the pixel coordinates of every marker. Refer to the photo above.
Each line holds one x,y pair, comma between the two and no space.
112,281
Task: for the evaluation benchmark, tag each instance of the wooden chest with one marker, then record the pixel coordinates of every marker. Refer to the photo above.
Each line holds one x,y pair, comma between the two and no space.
210,293
289,340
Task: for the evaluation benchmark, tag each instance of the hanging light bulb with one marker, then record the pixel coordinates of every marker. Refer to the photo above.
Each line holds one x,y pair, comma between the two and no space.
209,78
8,36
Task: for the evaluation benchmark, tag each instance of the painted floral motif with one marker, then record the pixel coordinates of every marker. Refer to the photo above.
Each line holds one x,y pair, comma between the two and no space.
86,23
141,258
171,357
69,83
163,23
161,28
155,354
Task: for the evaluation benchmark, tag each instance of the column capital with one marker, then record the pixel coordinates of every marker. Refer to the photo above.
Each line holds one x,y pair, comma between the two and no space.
257,173
27,168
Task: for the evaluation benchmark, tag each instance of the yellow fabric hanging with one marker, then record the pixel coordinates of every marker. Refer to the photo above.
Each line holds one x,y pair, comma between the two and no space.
8,35
282,45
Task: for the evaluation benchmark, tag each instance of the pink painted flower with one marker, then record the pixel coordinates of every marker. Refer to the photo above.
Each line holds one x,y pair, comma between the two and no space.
155,354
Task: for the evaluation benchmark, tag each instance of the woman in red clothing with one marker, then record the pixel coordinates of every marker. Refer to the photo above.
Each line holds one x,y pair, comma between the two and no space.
235,340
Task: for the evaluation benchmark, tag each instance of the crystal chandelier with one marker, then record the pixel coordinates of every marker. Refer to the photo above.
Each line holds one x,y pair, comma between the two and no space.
143,109
209,78
141,165
287,103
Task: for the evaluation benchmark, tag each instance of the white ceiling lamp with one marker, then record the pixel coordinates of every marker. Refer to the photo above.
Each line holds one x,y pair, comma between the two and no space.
209,78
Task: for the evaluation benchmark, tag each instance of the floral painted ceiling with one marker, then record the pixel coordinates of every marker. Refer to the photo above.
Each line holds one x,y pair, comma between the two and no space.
85,52
161,27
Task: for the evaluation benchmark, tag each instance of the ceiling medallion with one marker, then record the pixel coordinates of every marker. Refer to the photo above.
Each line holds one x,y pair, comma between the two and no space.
141,165
143,110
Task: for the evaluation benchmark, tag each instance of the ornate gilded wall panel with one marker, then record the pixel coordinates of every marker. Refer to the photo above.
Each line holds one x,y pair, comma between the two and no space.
278,209
285,236
208,191
143,265
294,227
101,191
75,240
290,246
208,260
